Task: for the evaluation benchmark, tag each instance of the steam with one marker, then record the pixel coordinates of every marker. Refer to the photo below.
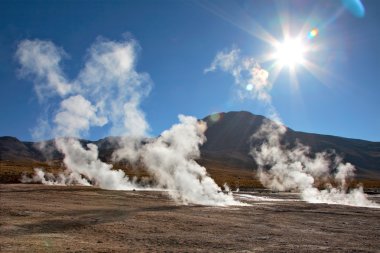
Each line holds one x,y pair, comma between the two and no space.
85,162
111,80
170,159
294,168
76,115
281,167
249,77
108,92
47,178
40,60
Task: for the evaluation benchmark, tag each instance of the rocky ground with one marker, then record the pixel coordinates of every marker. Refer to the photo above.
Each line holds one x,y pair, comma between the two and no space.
38,218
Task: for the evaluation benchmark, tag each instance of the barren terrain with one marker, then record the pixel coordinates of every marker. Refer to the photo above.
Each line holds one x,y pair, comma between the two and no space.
39,218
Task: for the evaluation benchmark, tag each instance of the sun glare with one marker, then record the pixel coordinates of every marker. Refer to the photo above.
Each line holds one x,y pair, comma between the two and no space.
290,53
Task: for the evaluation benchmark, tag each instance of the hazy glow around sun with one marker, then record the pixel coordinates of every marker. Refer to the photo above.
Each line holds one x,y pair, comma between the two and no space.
289,53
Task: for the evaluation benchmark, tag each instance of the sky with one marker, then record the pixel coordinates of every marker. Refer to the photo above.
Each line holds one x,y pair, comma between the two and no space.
195,58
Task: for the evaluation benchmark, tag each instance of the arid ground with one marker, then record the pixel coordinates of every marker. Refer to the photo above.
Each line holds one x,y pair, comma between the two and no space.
38,218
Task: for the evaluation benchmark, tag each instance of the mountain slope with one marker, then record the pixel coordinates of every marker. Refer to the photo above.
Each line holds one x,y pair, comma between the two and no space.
229,138
13,149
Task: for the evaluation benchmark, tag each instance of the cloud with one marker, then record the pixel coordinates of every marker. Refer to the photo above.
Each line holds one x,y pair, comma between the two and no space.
249,77
40,60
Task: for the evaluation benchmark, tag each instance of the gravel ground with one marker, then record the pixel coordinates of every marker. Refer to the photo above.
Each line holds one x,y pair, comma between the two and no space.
38,218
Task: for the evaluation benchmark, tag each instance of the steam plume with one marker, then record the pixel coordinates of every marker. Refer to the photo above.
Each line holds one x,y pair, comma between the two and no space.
170,159
108,92
75,115
294,168
250,78
40,60
80,161
281,167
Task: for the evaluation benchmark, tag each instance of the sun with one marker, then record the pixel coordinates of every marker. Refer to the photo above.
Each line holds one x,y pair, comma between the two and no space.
289,53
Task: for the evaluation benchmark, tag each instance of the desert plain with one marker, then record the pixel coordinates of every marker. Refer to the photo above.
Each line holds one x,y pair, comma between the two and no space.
41,218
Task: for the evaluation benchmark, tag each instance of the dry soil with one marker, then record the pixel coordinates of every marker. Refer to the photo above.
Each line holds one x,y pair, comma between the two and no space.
38,218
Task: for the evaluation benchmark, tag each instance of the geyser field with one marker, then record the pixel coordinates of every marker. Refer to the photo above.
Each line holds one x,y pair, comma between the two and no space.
41,218
92,158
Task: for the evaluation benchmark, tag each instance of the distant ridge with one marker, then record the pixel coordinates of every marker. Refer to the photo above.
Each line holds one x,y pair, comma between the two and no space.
228,142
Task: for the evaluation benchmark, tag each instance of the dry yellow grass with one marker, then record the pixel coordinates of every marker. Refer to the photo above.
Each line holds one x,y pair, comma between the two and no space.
235,177
11,171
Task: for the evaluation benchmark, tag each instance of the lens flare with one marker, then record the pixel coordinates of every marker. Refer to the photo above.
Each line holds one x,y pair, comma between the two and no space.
249,87
356,7
313,33
216,117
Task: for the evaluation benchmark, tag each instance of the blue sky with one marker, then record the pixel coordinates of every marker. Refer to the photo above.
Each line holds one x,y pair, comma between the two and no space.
178,40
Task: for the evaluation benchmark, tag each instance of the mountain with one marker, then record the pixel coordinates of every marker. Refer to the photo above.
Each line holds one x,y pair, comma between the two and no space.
229,139
228,144
12,149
